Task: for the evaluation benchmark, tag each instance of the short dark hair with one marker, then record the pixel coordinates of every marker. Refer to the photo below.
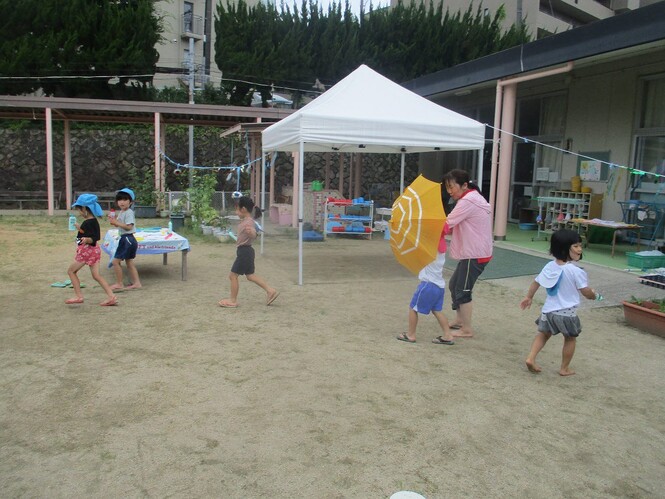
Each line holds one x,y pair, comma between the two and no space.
561,241
122,195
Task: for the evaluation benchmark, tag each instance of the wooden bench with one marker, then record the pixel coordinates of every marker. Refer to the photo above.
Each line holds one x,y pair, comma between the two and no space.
30,198
105,199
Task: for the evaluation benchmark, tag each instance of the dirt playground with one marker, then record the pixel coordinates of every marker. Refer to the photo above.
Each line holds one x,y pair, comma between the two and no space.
169,395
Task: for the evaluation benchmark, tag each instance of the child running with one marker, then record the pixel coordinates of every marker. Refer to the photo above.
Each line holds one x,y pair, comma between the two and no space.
244,263
87,251
564,281
127,246
429,298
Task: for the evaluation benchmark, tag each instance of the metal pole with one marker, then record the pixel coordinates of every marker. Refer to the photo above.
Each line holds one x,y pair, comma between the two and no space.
401,178
301,167
480,168
263,195
191,101
49,160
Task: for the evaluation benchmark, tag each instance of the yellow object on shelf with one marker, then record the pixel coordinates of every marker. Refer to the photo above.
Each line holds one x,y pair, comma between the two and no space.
575,183
586,190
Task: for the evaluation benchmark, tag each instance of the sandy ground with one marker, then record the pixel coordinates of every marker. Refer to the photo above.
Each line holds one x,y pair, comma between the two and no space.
168,395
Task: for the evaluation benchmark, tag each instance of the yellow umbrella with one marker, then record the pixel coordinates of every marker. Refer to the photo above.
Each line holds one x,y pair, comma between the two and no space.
416,224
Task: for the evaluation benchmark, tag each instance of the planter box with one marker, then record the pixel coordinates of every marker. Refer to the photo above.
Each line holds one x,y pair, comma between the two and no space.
177,221
644,318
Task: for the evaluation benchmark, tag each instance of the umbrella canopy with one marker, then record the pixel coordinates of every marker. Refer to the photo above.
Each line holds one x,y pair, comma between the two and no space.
416,224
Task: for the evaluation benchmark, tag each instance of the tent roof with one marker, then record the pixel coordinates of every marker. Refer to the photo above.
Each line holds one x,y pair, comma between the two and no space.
366,112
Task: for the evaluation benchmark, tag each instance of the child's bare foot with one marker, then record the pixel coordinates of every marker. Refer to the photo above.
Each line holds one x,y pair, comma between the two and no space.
227,304
272,296
566,372
532,366
110,302
461,333
74,301
117,287
133,286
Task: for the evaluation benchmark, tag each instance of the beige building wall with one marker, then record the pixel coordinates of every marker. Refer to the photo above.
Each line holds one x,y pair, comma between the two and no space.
174,48
603,106
545,18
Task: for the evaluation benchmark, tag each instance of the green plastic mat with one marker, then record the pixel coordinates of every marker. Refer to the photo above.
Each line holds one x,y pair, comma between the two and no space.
507,263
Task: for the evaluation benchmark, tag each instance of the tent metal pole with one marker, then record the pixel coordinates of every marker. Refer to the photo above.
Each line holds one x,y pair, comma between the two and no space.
480,168
401,178
301,165
263,194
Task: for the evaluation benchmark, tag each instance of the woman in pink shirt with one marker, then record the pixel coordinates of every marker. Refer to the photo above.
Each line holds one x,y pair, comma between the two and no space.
470,223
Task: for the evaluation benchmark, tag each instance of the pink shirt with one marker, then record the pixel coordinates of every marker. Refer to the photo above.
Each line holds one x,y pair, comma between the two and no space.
246,232
471,221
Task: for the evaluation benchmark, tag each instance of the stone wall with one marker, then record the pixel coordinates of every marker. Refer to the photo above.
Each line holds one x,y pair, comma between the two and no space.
101,159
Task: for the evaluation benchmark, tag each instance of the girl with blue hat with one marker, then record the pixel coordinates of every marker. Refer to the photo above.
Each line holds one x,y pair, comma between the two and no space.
88,252
127,245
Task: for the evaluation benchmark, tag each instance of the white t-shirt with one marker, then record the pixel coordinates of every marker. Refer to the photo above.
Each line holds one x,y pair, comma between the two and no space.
433,272
572,280
127,218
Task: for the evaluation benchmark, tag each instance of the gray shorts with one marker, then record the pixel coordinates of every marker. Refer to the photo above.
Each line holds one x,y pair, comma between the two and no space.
462,281
565,322
244,263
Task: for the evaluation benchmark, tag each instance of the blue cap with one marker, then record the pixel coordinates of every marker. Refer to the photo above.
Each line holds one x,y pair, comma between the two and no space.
127,190
90,202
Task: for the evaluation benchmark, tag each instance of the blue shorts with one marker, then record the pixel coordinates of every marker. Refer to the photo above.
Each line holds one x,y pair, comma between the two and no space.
427,298
127,247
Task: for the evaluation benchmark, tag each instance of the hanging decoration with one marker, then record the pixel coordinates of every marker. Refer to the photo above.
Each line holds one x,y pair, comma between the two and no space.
612,166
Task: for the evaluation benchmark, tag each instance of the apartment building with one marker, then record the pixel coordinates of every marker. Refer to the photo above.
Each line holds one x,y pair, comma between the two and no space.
546,17
187,51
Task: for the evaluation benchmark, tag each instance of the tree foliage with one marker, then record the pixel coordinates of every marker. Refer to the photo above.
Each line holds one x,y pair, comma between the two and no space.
73,48
262,46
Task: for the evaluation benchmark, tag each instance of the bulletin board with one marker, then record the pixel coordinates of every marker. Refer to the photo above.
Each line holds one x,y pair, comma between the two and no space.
593,171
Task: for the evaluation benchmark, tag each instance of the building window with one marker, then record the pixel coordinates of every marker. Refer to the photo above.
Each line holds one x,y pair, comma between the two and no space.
650,139
540,119
188,17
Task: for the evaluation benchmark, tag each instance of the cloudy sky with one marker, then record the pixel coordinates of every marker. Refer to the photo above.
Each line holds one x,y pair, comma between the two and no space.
355,4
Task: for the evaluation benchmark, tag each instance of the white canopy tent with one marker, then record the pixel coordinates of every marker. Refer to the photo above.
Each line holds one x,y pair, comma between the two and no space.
368,113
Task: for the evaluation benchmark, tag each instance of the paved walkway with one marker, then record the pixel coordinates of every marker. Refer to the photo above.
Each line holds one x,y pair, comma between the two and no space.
615,285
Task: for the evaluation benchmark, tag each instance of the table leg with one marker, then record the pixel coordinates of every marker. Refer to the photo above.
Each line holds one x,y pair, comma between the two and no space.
165,258
184,264
614,240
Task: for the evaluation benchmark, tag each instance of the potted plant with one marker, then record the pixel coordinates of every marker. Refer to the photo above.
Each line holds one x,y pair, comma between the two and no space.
200,197
177,214
647,315
161,198
221,226
142,182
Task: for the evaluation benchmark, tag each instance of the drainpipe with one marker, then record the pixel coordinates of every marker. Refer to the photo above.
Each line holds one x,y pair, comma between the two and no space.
504,118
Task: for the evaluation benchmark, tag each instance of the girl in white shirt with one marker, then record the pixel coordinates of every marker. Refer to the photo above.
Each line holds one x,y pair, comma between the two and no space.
564,282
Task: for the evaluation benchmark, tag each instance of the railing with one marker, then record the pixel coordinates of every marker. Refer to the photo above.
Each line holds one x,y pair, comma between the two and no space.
192,24
221,200
200,78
